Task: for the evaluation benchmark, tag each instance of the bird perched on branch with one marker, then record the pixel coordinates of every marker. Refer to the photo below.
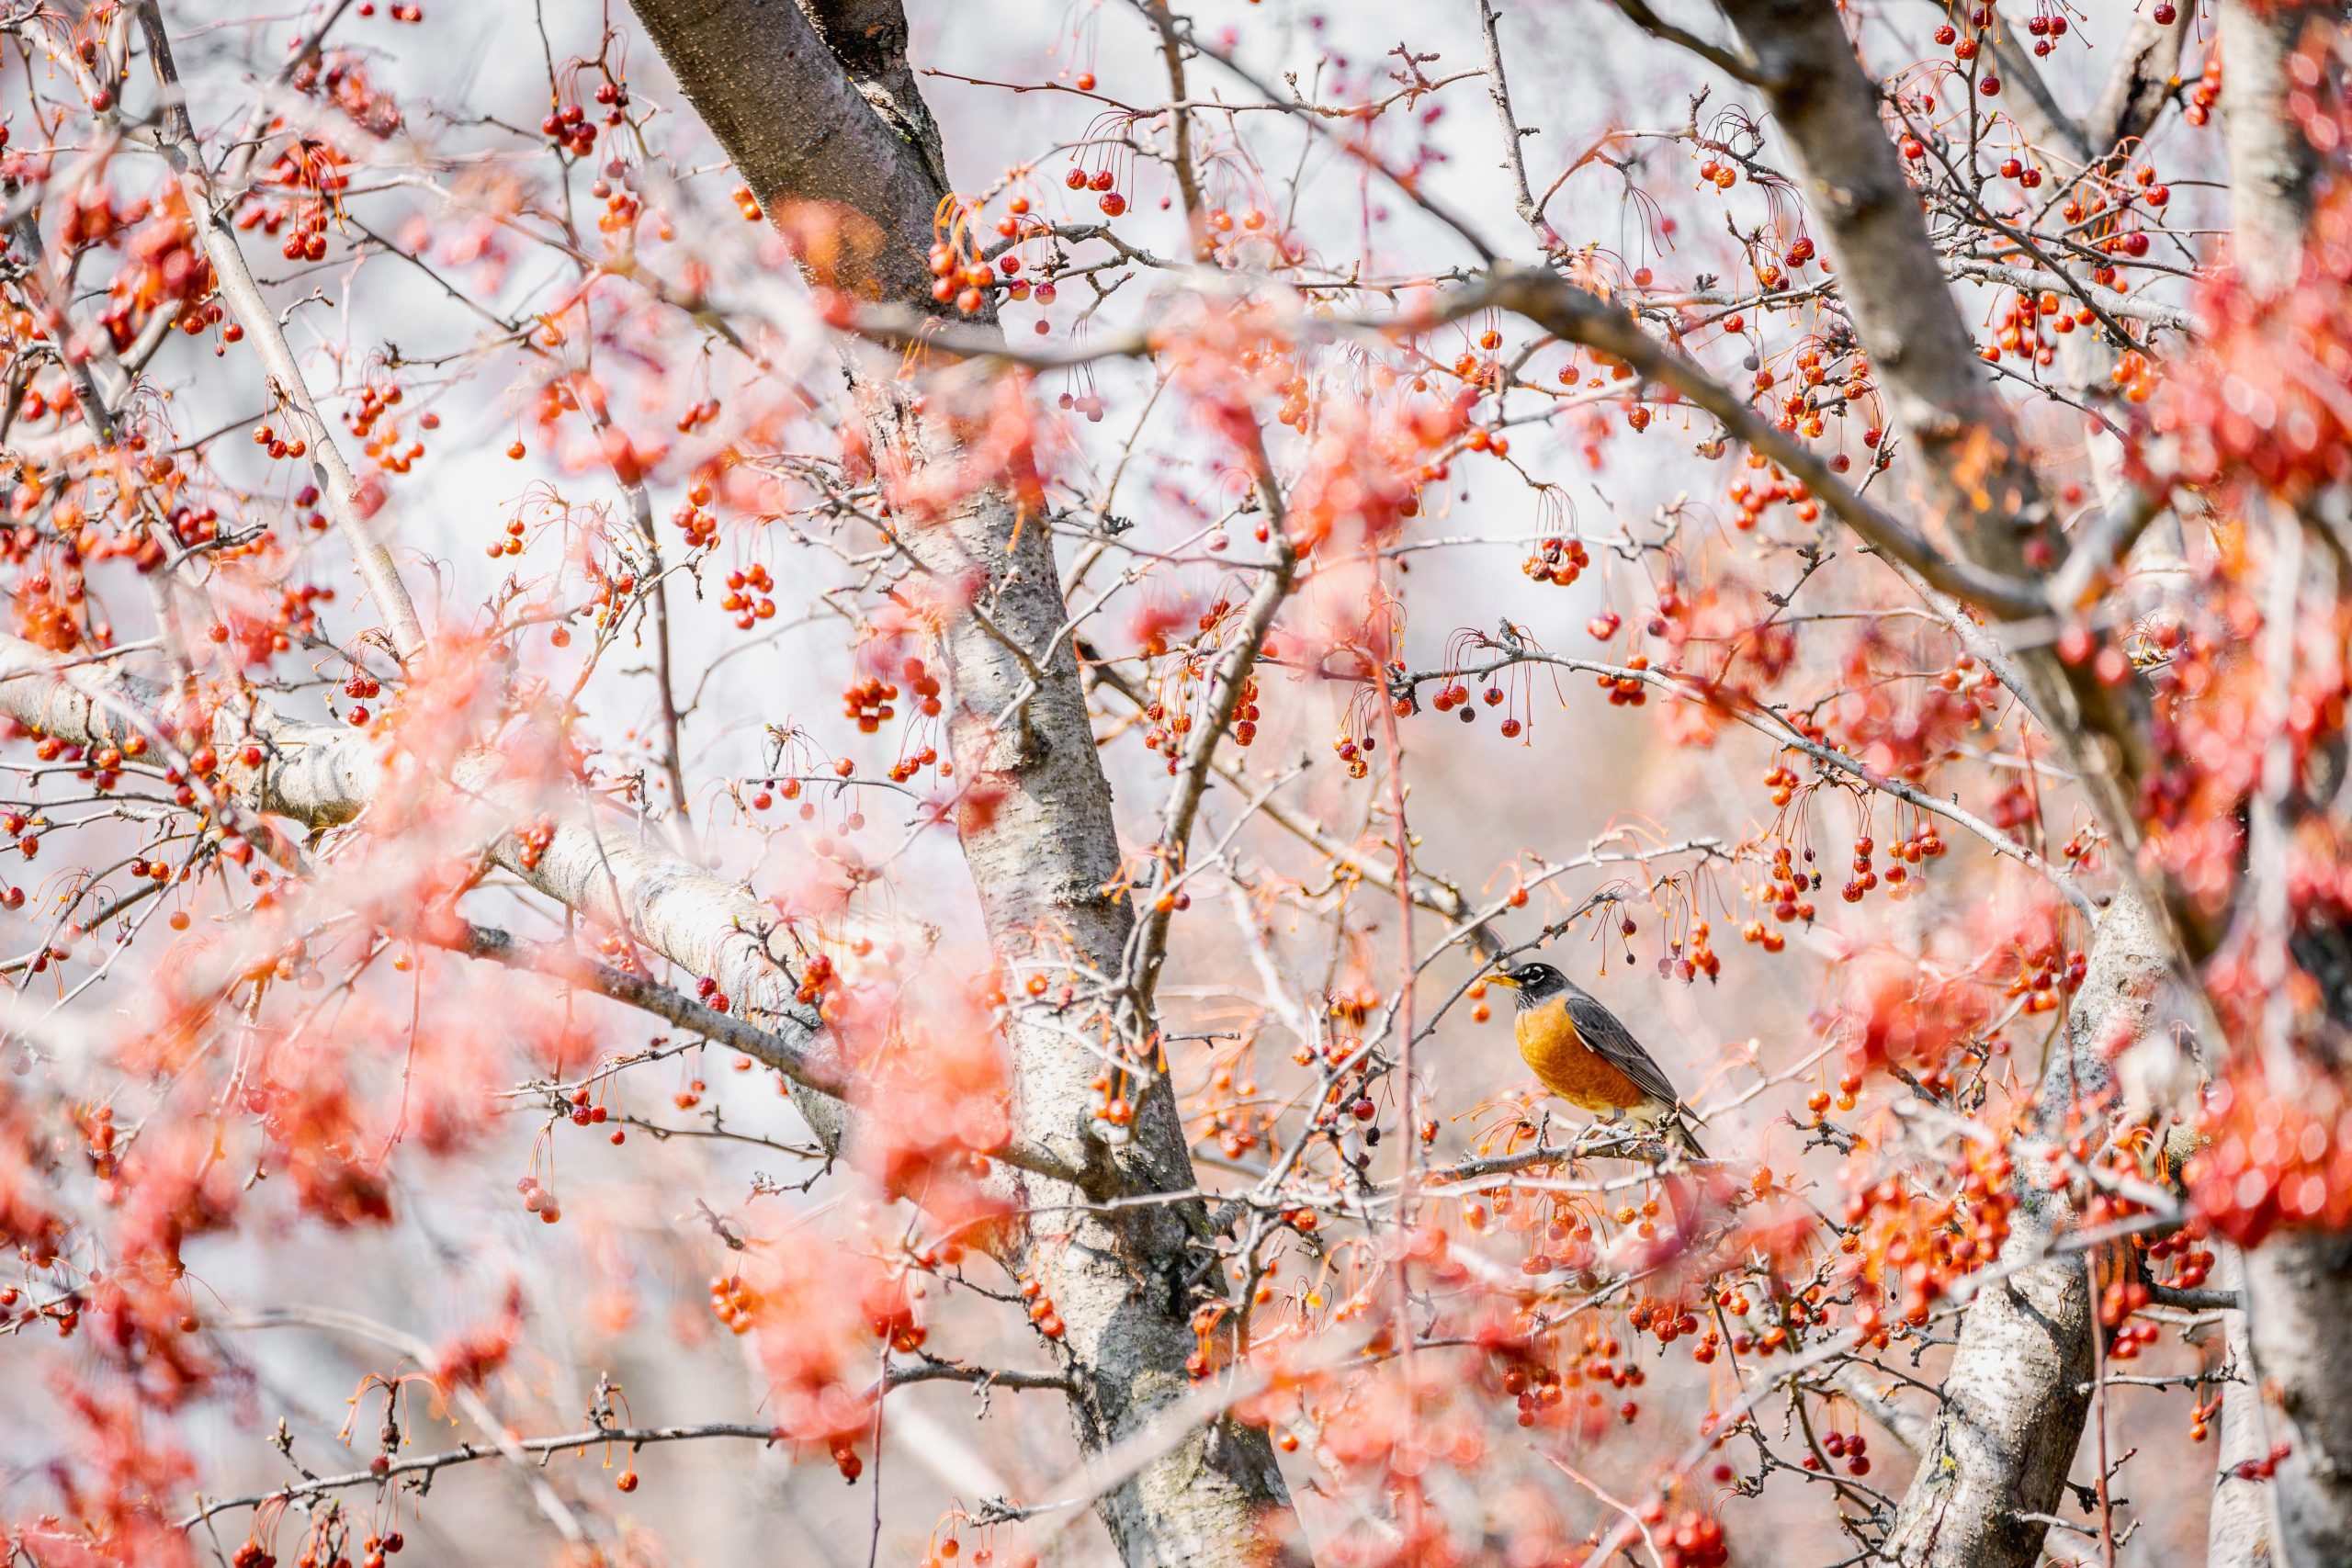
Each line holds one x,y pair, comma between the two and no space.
1583,1054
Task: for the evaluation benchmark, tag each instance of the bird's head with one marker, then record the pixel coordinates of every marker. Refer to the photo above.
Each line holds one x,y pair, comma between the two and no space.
1532,985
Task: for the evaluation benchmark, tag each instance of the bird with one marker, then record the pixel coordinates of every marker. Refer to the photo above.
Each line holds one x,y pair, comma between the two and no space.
1582,1054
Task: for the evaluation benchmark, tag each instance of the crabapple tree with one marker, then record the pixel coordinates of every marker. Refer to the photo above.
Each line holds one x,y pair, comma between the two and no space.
762,760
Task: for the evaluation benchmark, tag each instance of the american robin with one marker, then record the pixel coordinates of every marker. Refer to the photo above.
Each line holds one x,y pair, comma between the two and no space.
1587,1057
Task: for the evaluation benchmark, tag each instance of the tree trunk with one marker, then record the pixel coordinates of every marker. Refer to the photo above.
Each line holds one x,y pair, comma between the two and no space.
803,127
2014,1403
2015,1394
2298,1283
2272,166
2238,1529
2298,1286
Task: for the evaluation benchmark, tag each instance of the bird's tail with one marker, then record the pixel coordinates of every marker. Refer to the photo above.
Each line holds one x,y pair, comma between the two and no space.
1678,1133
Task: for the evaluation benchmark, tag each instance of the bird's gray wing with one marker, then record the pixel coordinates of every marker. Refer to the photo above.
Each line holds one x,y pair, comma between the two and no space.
1601,1033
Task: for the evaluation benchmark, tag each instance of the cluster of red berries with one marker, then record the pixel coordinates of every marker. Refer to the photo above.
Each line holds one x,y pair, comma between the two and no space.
747,596
1234,1129
1819,1101
1041,1310
1113,1109
1355,755
623,206
1700,960
1206,1322
611,592
735,1303
584,1114
1749,503
1221,224
306,165
1922,1244
1245,713
1854,1450
1800,407
2272,1161
325,1550
2130,1336
1669,1320
538,1200
1017,223
534,838
762,798
2187,1246
1786,891
164,269
2208,91
906,767
1695,1541
277,446
569,129
962,276
1627,691
1478,438
815,975
894,1324
194,526
1965,48
1543,1389
918,679
1102,180
2040,981
2028,177
1558,562
1484,374
1865,877
867,701
375,404
1168,731
1794,1310
344,74
2045,28
1455,695
699,524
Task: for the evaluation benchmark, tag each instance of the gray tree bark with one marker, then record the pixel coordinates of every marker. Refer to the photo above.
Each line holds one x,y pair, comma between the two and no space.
804,125
2298,1283
2238,1527
2017,1388
2012,1415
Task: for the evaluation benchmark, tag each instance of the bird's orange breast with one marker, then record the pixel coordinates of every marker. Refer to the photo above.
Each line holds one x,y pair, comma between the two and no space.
1549,1044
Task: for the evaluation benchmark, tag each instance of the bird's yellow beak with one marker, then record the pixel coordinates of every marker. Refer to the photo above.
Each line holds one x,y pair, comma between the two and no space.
1505,981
